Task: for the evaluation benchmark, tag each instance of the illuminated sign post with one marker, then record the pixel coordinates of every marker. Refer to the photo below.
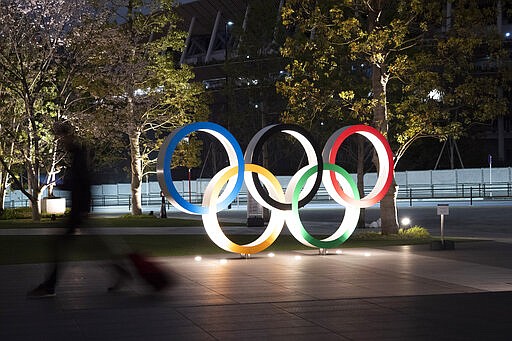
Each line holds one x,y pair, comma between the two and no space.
442,210
266,189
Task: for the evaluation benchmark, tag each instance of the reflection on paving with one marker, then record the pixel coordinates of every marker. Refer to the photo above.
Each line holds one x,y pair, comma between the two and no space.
399,293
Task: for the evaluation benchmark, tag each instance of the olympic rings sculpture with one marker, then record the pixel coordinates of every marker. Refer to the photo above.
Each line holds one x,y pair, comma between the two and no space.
266,189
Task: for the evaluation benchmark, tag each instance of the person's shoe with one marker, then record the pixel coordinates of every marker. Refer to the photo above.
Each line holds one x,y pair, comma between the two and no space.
41,291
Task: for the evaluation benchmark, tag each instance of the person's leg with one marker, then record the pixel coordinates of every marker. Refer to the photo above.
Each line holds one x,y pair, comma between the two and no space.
115,250
58,249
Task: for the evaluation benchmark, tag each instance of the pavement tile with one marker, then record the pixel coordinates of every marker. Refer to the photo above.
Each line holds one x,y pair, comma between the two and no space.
394,294
296,333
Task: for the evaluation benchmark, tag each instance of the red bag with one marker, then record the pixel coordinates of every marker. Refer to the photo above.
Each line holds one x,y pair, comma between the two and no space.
150,271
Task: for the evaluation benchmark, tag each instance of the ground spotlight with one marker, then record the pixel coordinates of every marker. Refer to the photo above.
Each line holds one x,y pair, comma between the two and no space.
406,222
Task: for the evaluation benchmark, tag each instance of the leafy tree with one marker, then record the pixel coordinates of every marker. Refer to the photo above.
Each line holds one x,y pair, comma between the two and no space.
187,153
454,79
141,90
367,61
9,127
33,37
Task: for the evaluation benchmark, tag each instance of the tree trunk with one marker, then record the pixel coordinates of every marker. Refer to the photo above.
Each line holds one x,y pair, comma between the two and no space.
35,193
53,172
5,167
388,211
3,186
33,175
32,164
136,168
36,209
388,214
380,111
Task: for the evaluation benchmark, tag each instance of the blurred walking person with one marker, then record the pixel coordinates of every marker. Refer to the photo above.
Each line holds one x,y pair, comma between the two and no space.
78,181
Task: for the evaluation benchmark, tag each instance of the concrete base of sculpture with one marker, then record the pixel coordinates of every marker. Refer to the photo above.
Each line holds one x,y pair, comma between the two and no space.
255,221
442,245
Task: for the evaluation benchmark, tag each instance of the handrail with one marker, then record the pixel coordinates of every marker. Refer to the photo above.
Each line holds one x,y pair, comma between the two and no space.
410,193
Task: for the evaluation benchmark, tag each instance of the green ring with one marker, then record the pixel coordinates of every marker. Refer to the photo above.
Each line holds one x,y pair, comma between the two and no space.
295,204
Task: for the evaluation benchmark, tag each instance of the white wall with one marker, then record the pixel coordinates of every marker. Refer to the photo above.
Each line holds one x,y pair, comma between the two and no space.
438,178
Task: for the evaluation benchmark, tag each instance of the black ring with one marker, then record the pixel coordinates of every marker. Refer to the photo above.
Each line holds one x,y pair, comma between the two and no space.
278,128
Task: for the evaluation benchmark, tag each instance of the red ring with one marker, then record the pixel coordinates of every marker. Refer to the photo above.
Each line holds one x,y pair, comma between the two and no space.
364,202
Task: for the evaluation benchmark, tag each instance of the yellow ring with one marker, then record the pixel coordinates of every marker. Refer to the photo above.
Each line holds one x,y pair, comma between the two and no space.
211,222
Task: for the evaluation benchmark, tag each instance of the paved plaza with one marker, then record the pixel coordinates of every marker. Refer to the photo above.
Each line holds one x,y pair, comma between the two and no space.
393,293
388,293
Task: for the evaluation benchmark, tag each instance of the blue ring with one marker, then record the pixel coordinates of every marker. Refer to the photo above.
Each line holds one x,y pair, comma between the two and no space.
177,136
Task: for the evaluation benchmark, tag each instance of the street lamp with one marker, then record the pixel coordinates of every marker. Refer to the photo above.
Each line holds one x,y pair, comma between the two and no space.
228,24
